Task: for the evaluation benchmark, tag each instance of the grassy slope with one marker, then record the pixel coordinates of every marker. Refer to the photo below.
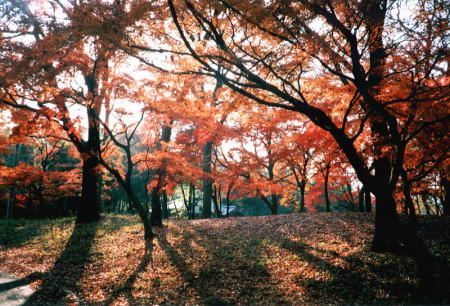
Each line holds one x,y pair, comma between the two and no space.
318,258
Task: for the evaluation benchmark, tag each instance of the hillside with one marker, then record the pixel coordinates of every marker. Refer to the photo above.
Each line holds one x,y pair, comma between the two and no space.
298,258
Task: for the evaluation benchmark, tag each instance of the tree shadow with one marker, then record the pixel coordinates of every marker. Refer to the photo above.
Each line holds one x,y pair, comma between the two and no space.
323,290
363,281
180,263
61,284
21,282
234,274
126,288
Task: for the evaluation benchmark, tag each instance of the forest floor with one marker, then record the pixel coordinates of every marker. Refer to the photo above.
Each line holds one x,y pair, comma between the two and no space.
288,259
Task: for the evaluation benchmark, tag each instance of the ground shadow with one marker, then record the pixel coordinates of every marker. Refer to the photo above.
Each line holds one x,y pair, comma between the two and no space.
365,279
126,288
180,263
339,278
61,283
232,274
21,282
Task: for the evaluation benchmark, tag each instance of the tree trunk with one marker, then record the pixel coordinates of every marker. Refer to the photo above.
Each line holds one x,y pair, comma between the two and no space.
207,181
220,200
186,203
148,233
144,215
156,216
446,202
408,200
436,205
228,200
361,199
425,203
391,235
417,205
165,208
89,206
10,203
302,196
176,208
386,222
386,218
216,196
273,201
157,192
327,198
43,207
192,196
368,200
274,206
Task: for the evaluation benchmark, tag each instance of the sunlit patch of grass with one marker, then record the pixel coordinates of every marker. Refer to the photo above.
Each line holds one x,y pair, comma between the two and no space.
17,232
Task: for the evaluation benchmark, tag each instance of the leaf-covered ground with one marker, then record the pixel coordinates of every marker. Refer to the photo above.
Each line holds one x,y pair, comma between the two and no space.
290,259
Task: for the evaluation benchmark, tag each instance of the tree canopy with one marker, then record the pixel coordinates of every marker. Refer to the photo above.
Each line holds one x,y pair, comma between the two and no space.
206,109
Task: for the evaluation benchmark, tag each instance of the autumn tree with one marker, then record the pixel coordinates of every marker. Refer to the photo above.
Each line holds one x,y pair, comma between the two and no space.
270,49
299,159
42,166
46,59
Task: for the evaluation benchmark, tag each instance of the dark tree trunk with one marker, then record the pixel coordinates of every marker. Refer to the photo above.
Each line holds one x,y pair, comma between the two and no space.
165,208
436,206
156,216
220,199
146,221
192,196
228,200
89,206
158,191
186,202
386,221
446,202
176,208
207,181
216,196
391,235
273,201
274,206
43,207
217,209
327,198
409,205
386,218
148,233
361,199
302,196
417,205
368,201
10,203
425,203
